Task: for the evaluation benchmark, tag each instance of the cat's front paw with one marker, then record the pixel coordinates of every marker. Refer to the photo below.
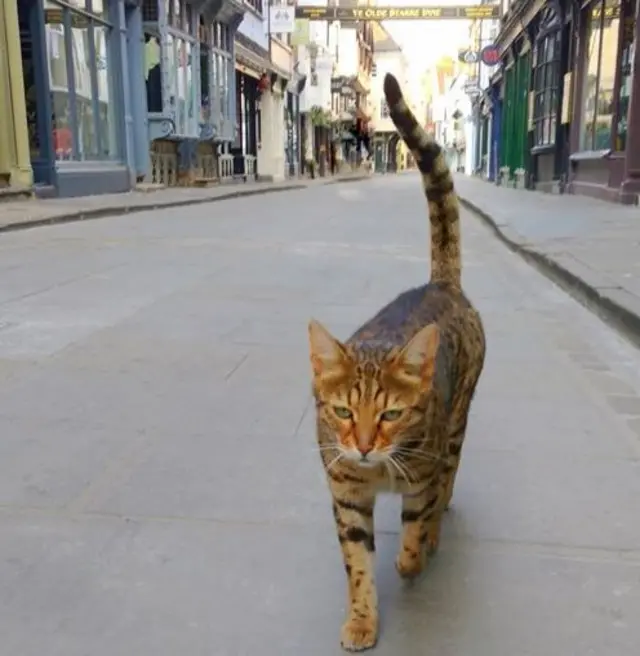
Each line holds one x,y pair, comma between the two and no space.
359,633
410,562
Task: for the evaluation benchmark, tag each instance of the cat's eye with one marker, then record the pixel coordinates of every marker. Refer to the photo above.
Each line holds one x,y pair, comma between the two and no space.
391,415
342,412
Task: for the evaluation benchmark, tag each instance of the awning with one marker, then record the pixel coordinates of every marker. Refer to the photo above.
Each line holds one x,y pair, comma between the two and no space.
251,63
255,65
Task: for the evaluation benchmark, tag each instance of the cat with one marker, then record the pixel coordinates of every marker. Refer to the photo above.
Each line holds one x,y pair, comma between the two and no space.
392,402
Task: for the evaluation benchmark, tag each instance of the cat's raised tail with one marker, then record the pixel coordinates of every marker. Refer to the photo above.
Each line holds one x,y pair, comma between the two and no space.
444,210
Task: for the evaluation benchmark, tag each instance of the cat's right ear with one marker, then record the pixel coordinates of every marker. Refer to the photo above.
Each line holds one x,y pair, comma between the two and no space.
326,352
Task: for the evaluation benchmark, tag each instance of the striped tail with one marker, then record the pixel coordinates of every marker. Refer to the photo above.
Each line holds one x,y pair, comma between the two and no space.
444,211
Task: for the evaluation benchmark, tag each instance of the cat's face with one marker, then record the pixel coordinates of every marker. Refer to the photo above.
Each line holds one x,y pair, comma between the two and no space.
372,401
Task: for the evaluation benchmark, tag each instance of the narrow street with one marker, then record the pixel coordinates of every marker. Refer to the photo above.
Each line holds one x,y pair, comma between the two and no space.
160,490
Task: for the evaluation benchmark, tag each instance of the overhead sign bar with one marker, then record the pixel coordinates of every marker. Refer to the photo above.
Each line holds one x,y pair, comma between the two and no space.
468,12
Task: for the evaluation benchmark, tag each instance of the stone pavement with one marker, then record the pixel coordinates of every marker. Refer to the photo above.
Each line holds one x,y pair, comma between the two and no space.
160,489
587,245
21,214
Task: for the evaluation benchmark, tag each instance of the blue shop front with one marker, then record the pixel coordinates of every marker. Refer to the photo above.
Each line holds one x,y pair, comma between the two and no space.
189,84
78,80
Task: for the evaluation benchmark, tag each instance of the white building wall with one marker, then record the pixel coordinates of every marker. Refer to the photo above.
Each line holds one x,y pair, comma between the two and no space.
347,51
255,28
386,62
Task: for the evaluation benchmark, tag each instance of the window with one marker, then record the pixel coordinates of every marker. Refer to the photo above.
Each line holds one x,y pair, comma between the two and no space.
626,73
182,50
256,5
80,80
205,35
603,27
223,75
384,109
546,89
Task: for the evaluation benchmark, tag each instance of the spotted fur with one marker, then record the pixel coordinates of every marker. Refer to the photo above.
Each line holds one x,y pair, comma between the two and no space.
392,402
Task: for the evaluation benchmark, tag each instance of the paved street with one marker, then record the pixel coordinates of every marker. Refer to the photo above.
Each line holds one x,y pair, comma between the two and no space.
160,494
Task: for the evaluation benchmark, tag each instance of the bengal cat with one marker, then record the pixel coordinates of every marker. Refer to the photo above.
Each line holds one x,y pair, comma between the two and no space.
393,401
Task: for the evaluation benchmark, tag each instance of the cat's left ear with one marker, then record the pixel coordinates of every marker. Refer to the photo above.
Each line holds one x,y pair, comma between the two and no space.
326,352
417,358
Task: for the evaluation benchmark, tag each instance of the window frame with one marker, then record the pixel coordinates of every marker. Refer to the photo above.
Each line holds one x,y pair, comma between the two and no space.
546,88
183,28
107,21
589,26
257,6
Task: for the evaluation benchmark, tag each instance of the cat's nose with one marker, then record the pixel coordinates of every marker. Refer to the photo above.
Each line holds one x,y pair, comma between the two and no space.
365,449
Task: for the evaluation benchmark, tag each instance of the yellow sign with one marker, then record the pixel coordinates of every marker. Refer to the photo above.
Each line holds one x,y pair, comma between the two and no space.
469,12
300,35
567,90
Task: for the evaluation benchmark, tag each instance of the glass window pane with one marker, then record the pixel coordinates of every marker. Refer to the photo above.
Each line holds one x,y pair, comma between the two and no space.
193,100
181,96
626,67
205,110
605,105
82,65
222,84
590,82
106,124
153,73
56,38
172,78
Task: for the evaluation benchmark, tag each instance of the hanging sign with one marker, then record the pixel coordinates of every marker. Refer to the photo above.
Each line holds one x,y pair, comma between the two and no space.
490,55
468,56
281,19
466,12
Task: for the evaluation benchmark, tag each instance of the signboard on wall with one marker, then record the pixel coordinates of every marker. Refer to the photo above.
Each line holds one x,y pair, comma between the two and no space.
466,12
281,19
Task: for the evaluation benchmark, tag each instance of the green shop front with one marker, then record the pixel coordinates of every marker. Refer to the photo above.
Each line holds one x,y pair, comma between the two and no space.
514,160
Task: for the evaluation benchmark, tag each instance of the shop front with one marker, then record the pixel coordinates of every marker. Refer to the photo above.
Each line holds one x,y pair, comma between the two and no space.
190,87
605,122
77,83
515,139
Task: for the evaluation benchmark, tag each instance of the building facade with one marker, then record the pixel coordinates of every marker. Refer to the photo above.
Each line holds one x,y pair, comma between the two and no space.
122,91
388,149
264,70
569,118
187,58
77,79
316,44
352,72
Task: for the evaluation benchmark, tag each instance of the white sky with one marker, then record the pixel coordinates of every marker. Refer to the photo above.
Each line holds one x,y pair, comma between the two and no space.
424,42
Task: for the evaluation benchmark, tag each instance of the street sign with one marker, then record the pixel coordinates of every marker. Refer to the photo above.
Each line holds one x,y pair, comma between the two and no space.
490,55
468,56
467,12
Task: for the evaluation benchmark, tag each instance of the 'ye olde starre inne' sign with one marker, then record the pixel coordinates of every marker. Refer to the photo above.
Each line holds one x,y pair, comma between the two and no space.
468,12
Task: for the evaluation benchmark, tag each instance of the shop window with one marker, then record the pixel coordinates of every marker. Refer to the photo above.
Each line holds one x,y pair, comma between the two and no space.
222,68
182,50
546,83
205,35
78,43
153,72
626,73
603,28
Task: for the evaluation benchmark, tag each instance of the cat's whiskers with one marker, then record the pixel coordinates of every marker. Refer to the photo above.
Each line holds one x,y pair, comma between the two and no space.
335,461
418,455
401,469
